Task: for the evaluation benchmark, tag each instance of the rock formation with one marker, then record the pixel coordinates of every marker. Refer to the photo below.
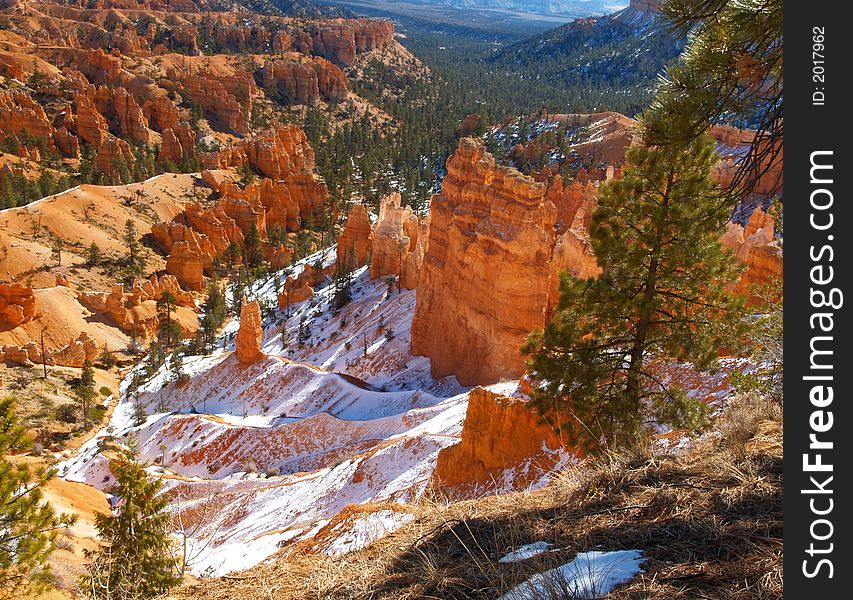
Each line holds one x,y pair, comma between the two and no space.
503,440
17,305
91,127
209,91
112,153
250,335
134,311
267,205
187,265
130,123
356,240
74,354
303,81
573,254
161,113
19,114
399,243
570,198
340,41
178,142
282,152
755,246
484,283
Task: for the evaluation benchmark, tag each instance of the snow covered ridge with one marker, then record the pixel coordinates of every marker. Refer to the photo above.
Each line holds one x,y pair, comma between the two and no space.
259,456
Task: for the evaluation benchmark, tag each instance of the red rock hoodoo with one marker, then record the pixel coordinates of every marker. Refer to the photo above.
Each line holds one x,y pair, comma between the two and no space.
484,283
250,335
400,242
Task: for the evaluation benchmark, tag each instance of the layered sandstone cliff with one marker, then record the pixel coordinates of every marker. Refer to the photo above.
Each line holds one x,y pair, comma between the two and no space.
304,81
223,97
484,283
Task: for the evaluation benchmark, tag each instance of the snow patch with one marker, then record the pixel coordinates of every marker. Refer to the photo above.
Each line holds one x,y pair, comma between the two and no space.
590,575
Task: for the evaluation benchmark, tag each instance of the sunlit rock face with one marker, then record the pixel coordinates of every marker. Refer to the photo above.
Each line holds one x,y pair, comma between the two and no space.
484,283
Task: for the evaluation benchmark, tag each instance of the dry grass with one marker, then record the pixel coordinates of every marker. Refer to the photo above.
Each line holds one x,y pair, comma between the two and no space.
708,520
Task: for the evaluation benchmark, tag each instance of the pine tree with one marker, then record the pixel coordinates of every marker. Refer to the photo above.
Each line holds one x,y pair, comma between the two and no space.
170,332
343,280
135,558
232,254
176,366
215,311
84,390
134,255
56,250
252,245
28,526
139,414
731,70
662,295
93,256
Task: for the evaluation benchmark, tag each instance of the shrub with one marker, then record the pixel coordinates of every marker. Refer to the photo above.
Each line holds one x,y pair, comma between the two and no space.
741,421
67,413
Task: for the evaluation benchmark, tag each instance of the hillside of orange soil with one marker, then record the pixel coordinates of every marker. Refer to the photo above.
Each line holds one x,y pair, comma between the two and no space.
83,215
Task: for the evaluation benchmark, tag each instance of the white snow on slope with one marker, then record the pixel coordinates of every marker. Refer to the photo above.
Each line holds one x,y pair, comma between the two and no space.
259,456
367,530
589,575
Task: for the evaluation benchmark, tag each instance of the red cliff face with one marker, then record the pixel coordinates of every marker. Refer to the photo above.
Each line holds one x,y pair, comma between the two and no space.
186,263
281,154
340,41
220,96
161,113
19,114
484,280
278,153
130,122
176,143
91,127
757,248
504,443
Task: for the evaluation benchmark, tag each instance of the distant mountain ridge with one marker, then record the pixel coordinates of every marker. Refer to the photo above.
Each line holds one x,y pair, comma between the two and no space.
544,7
621,53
